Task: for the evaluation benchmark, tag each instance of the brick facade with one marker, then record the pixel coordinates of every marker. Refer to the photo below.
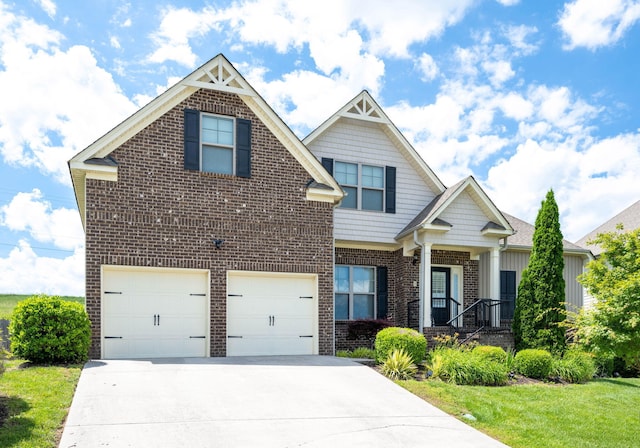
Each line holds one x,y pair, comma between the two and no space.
160,215
404,288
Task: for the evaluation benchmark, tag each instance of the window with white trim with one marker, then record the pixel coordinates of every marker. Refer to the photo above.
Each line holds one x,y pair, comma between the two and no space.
217,144
364,185
355,292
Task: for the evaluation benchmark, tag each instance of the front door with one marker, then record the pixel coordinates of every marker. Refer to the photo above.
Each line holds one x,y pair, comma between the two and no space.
440,293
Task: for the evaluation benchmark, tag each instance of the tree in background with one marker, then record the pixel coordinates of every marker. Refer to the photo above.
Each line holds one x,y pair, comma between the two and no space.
540,309
612,326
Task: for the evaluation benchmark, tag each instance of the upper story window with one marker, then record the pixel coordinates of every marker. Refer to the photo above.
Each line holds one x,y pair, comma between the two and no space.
368,187
364,185
217,144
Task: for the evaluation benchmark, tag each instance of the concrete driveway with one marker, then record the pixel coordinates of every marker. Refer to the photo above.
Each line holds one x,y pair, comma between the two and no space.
282,401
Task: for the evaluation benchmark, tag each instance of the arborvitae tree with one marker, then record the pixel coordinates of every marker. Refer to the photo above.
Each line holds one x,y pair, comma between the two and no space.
540,308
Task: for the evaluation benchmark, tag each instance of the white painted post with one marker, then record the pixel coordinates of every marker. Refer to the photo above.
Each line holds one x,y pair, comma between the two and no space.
425,280
494,285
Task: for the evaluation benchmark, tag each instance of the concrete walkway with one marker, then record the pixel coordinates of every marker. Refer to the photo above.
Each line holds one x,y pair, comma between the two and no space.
292,401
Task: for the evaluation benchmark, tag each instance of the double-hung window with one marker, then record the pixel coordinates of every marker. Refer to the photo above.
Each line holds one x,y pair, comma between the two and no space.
355,292
217,144
364,185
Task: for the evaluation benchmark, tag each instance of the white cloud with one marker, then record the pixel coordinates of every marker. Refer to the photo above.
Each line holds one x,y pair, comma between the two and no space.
28,212
25,272
48,6
508,2
177,27
514,106
498,71
345,39
595,23
427,67
115,42
518,35
54,101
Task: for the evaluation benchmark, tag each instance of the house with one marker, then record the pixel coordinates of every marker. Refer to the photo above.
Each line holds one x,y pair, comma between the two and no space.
212,230
630,220
209,228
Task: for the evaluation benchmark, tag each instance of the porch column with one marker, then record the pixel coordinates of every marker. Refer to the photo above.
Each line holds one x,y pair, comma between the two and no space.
425,283
494,285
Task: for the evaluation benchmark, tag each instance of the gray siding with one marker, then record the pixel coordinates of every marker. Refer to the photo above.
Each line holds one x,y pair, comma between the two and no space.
511,260
363,142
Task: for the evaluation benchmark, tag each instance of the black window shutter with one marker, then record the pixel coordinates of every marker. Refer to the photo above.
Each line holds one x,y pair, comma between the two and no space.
382,292
191,139
327,164
390,189
508,294
243,147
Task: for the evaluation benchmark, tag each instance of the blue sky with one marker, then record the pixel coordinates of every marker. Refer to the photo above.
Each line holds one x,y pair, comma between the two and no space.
525,96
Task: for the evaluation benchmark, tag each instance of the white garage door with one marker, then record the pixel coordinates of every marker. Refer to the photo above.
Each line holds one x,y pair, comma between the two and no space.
271,314
154,313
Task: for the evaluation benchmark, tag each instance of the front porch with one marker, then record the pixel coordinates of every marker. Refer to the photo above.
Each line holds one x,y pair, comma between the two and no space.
434,303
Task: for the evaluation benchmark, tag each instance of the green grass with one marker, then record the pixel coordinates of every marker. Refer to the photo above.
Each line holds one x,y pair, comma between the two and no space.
9,301
601,413
38,398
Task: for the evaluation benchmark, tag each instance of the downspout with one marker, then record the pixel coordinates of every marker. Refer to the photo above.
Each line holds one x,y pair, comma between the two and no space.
420,283
504,246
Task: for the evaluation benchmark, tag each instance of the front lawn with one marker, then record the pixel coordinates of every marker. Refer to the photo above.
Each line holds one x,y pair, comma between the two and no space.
600,413
8,302
34,402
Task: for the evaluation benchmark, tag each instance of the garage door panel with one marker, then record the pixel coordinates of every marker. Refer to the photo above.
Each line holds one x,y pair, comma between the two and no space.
154,313
265,346
295,326
271,314
248,325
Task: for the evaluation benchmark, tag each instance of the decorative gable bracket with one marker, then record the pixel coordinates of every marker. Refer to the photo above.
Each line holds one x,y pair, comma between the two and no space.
220,77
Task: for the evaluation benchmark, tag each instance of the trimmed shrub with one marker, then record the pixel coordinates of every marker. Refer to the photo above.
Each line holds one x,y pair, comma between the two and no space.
574,367
534,363
491,353
50,330
414,343
465,367
343,354
399,365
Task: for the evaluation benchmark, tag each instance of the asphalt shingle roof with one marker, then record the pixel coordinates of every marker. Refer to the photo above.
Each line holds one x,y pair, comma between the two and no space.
524,234
629,218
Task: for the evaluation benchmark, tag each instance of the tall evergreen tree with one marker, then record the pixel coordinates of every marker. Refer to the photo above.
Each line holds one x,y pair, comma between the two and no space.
540,308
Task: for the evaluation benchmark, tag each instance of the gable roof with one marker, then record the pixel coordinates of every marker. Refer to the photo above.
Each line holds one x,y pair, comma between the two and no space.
429,217
364,107
629,218
216,74
523,236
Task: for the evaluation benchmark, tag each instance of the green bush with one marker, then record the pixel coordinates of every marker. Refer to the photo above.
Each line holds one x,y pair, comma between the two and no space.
533,363
411,341
363,352
574,367
399,365
343,353
50,330
465,367
491,353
